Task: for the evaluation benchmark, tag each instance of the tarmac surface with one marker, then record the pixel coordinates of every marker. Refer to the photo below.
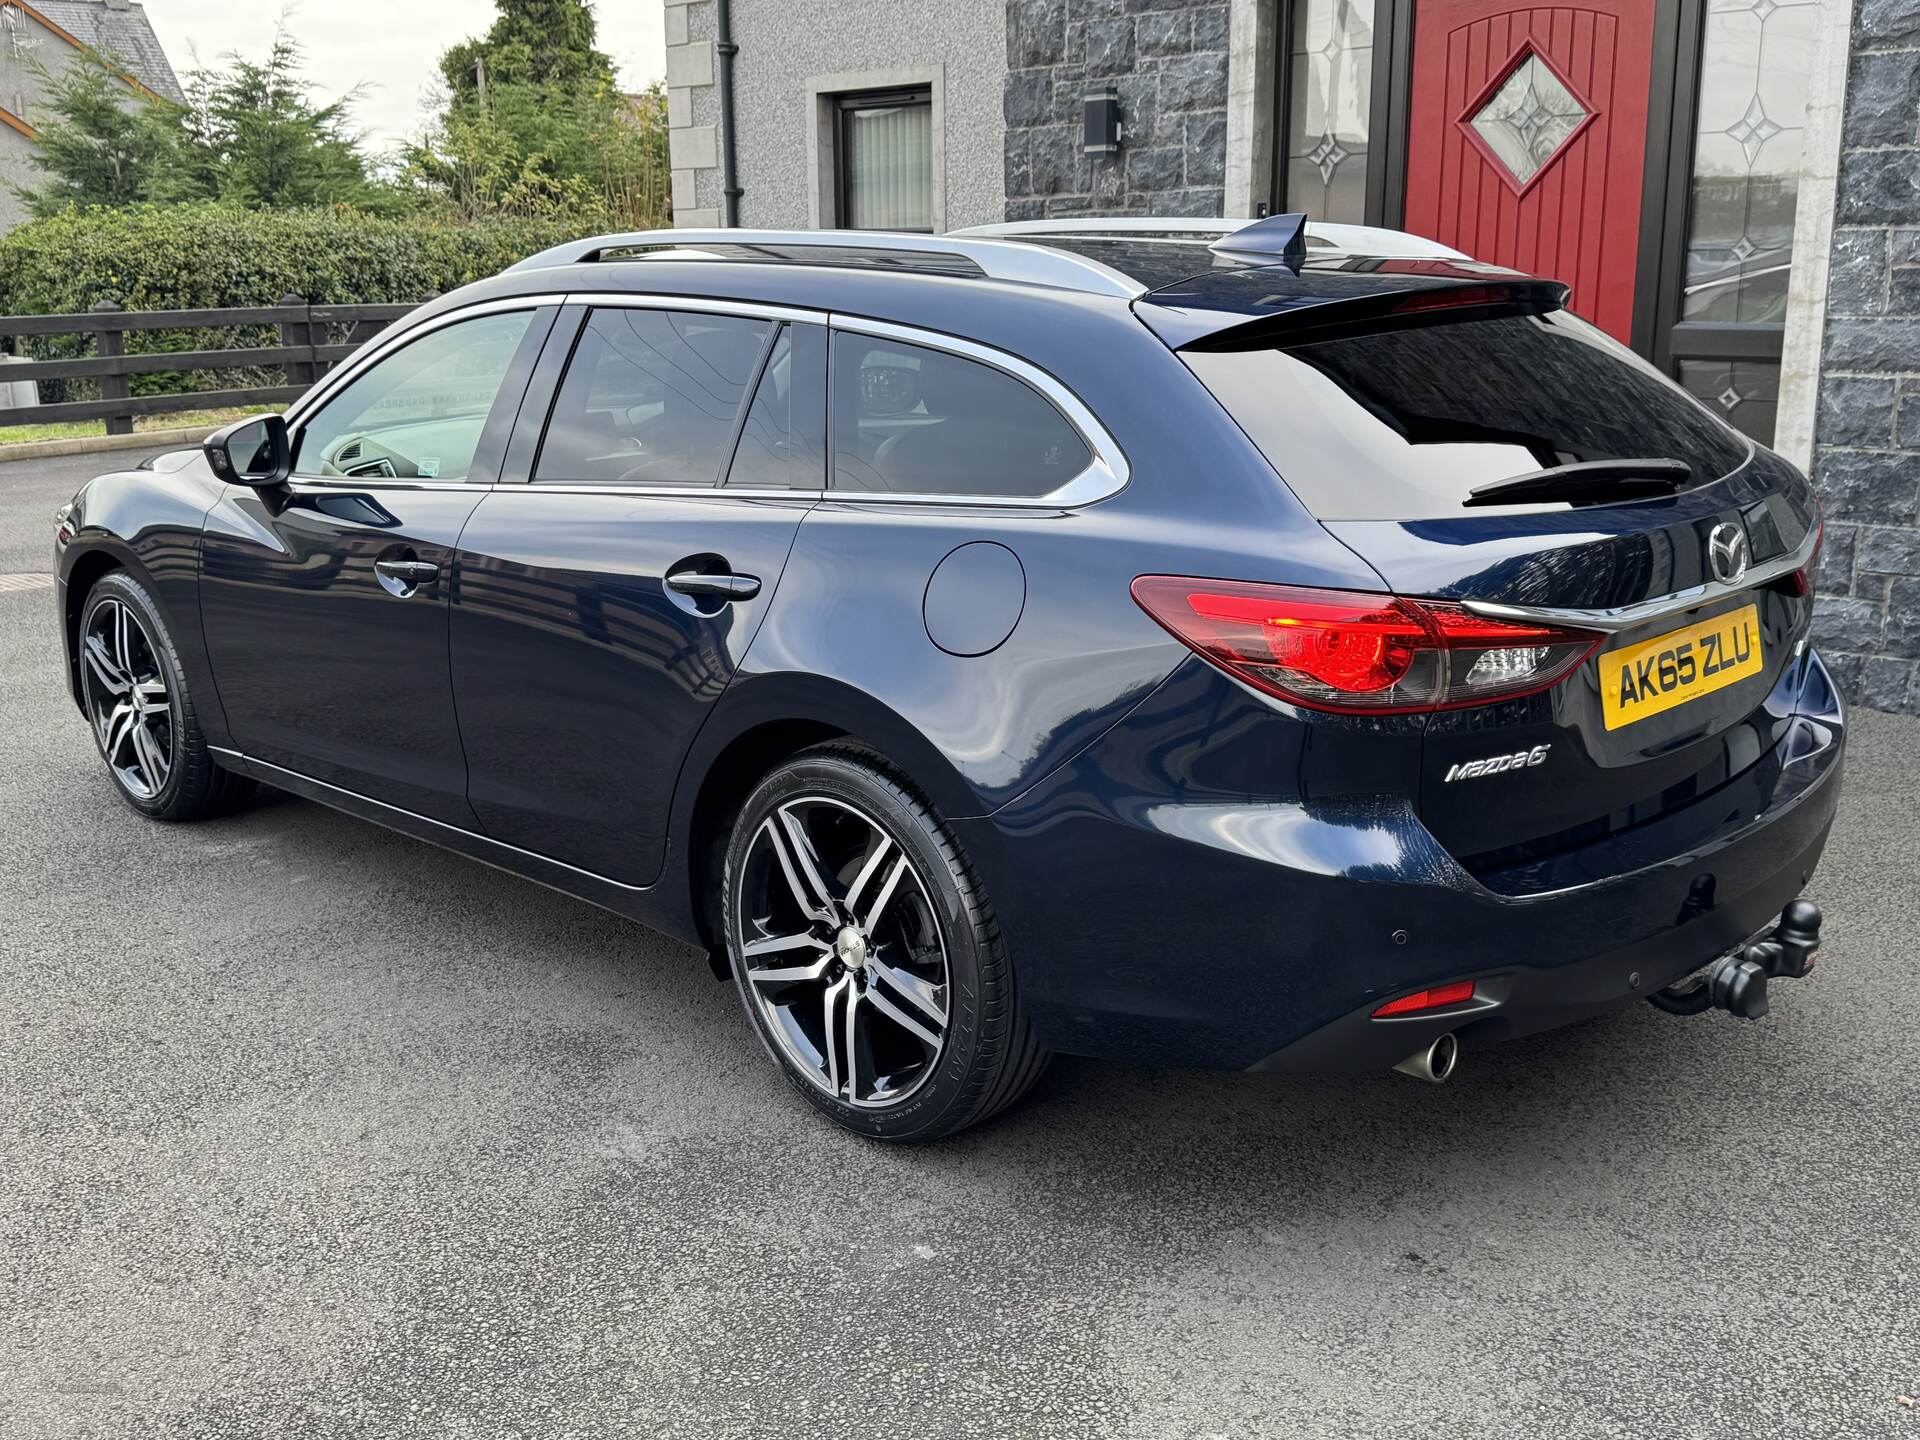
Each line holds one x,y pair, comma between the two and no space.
307,1129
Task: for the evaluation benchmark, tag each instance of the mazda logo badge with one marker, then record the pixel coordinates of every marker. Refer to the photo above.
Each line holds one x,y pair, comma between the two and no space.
1727,552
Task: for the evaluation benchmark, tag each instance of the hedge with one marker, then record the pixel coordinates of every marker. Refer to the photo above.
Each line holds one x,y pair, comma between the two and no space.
188,256
180,257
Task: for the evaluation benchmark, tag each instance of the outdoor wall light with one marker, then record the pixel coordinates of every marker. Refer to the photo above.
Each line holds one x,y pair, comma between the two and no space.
1101,122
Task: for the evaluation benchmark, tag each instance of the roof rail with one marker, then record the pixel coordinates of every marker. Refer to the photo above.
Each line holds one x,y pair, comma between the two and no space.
997,259
1321,235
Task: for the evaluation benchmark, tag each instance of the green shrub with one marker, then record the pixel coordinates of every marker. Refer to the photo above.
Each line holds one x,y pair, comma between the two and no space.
205,255
178,257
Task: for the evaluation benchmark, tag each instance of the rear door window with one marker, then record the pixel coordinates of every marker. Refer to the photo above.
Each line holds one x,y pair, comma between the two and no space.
911,420
1401,424
652,397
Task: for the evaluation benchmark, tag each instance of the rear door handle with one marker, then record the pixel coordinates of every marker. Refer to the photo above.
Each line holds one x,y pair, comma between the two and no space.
719,587
404,577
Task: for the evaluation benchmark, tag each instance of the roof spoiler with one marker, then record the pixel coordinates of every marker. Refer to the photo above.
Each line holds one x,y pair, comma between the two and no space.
1303,317
1322,235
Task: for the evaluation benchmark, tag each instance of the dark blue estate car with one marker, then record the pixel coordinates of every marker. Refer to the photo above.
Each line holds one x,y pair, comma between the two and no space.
1212,649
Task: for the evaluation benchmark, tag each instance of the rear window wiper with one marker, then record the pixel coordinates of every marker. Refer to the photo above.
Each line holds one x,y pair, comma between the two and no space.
1588,480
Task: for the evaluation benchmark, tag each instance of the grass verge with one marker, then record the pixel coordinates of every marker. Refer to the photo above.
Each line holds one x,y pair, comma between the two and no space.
76,429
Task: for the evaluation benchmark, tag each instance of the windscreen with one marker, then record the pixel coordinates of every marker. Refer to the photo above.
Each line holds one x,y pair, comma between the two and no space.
1402,423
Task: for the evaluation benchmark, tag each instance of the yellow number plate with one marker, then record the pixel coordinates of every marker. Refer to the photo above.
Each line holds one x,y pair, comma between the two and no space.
1679,666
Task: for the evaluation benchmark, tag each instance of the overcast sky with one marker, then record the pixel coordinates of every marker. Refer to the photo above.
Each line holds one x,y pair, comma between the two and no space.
391,45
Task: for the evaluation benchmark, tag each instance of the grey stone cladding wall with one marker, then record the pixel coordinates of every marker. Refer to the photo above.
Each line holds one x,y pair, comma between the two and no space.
1867,436
1168,60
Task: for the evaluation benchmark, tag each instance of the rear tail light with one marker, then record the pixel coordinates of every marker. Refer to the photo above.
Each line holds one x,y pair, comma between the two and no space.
1440,997
1354,653
1802,580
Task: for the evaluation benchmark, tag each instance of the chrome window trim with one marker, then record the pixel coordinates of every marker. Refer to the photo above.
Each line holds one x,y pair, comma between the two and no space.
1105,475
664,492
642,300
322,484
318,485
1626,617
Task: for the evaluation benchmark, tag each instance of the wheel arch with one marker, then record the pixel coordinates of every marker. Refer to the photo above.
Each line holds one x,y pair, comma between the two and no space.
761,722
82,573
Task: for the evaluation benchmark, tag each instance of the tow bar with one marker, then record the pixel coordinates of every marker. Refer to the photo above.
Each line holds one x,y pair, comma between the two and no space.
1737,981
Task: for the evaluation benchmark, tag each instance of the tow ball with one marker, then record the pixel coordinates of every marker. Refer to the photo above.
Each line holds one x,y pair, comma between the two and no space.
1737,981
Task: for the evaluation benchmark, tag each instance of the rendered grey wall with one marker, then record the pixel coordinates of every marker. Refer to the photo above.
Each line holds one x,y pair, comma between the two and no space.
1867,435
784,43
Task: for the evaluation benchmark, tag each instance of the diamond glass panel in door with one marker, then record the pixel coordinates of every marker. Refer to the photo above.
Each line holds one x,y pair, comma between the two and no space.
1745,392
1331,95
1746,159
887,152
1526,120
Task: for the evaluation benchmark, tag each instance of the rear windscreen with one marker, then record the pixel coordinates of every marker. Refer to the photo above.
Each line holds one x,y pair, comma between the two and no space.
1401,424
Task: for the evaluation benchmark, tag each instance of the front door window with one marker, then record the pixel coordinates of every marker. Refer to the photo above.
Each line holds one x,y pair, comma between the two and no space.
419,413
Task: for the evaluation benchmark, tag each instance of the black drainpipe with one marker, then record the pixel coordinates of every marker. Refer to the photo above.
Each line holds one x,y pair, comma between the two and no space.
725,48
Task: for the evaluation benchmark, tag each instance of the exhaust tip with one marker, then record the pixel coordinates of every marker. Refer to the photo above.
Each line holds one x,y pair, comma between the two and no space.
1435,1063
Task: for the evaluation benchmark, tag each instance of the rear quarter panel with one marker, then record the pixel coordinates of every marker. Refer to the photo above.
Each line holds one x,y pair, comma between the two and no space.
852,608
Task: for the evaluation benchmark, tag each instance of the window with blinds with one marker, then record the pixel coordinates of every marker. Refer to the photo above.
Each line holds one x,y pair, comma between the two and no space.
884,160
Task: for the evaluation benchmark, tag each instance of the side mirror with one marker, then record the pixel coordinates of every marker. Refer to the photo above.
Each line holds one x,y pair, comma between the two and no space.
254,451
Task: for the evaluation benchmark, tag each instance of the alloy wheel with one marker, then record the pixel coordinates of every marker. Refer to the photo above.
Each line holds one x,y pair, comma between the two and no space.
127,698
842,951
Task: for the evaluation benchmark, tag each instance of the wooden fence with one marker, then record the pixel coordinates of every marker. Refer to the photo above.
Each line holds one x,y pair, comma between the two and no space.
304,354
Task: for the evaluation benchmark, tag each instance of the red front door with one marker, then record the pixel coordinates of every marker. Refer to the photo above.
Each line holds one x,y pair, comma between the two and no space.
1527,136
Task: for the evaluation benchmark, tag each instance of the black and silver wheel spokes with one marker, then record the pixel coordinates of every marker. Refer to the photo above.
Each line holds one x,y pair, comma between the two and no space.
127,698
843,951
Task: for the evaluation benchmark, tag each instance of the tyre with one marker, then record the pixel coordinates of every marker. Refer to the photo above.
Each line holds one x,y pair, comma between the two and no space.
866,953
141,710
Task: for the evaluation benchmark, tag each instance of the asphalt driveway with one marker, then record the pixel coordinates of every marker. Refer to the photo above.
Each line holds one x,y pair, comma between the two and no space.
310,1130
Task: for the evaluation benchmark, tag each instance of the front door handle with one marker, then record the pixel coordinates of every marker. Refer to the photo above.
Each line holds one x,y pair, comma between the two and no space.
404,577
717,587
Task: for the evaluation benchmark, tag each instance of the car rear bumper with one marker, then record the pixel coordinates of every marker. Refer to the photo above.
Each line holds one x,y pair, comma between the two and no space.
1522,999
1250,935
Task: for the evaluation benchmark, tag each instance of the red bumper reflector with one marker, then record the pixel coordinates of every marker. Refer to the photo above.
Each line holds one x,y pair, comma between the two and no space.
1438,998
